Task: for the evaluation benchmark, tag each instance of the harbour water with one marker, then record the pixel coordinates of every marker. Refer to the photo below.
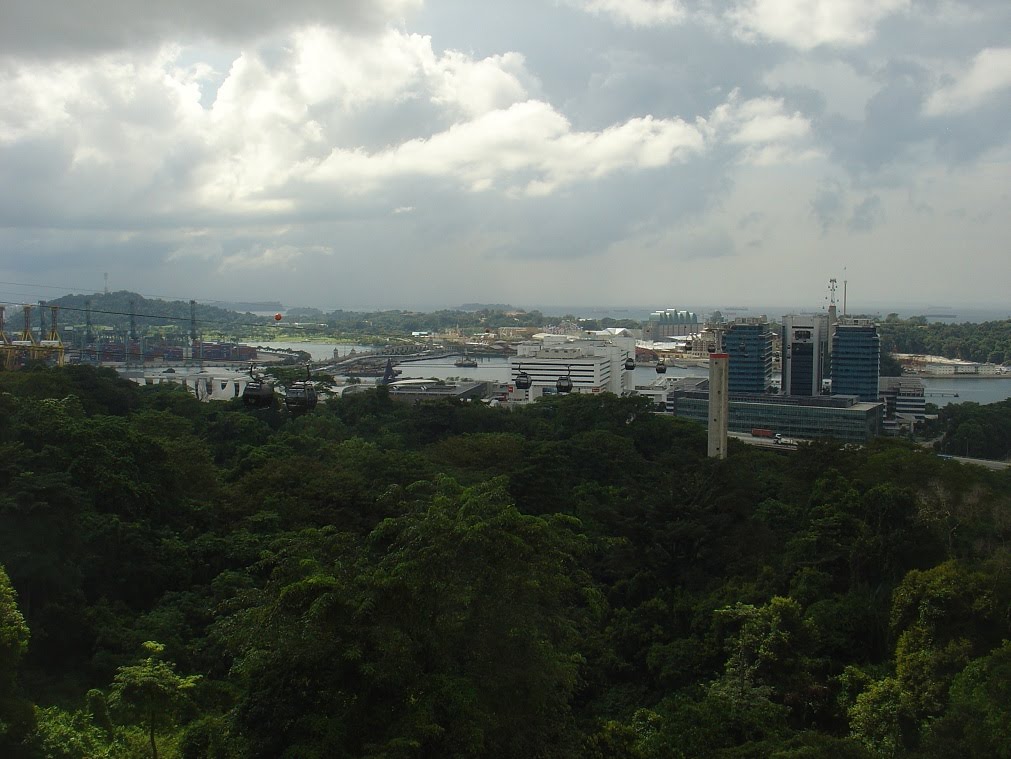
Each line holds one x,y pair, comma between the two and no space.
318,351
226,382
942,390
939,390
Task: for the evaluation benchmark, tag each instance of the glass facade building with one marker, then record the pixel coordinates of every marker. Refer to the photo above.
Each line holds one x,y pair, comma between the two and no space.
856,356
749,345
839,417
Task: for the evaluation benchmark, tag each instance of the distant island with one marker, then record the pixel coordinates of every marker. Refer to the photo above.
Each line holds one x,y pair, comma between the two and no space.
268,305
487,307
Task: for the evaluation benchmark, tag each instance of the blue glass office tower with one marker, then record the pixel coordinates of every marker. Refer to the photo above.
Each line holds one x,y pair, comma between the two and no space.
748,343
856,357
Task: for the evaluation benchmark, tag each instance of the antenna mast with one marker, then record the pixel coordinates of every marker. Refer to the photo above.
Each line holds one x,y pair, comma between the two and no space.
831,303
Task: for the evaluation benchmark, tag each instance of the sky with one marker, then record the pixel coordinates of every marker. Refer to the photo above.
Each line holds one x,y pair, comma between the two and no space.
407,153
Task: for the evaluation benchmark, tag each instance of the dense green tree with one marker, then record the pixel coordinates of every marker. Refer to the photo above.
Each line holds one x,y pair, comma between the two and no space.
571,578
977,721
450,631
15,712
150,692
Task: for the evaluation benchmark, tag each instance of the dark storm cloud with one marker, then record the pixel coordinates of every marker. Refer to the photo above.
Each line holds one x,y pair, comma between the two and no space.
827,205
868,214
892,123
43,28
962,138
896,125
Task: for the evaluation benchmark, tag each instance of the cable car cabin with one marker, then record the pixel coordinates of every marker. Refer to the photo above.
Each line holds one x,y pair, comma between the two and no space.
564,384
258,393
629,364
300,398
661,367
523,381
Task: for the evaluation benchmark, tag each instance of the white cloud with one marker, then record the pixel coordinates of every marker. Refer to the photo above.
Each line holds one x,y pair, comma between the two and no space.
201,156
263,257
476,87
763,120
767,132
354,72
636,12
989,73
526,138
806,24
135,124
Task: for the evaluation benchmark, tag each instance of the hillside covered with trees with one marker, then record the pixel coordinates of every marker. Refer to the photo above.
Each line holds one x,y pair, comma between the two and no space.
981,342
571,579
113,310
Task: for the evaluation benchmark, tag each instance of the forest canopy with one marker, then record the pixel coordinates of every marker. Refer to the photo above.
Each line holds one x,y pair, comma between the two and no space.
574,578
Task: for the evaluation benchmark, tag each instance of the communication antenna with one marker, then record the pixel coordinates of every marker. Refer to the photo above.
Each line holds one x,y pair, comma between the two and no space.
844,312
832,286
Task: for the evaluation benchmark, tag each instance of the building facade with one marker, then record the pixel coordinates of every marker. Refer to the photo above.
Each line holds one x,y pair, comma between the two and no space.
841,418
856,359
905,402
595,365
804,353
748,343
670,323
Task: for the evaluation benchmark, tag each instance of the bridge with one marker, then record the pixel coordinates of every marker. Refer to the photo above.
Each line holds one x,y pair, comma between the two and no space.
375,361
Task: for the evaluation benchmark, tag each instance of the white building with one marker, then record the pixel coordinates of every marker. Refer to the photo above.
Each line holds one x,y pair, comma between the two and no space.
905,402
594,365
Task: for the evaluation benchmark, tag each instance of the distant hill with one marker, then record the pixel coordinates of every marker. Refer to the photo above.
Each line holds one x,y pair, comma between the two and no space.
487,307
253,306
113,310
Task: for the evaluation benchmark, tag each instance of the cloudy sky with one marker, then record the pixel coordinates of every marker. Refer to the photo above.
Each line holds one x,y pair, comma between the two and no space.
398,153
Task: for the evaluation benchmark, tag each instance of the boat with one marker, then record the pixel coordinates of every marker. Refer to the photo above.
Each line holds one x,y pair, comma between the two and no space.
465,362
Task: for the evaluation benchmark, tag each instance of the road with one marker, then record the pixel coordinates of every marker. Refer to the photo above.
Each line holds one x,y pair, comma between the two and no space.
988,463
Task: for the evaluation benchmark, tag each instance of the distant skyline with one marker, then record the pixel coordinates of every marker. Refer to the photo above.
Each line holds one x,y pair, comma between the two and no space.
401,153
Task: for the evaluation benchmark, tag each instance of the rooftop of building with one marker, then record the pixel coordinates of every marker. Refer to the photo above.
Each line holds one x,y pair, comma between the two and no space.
674,314
813,401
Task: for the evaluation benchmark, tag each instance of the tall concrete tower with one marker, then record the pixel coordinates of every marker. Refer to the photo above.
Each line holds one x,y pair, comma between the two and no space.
719,404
